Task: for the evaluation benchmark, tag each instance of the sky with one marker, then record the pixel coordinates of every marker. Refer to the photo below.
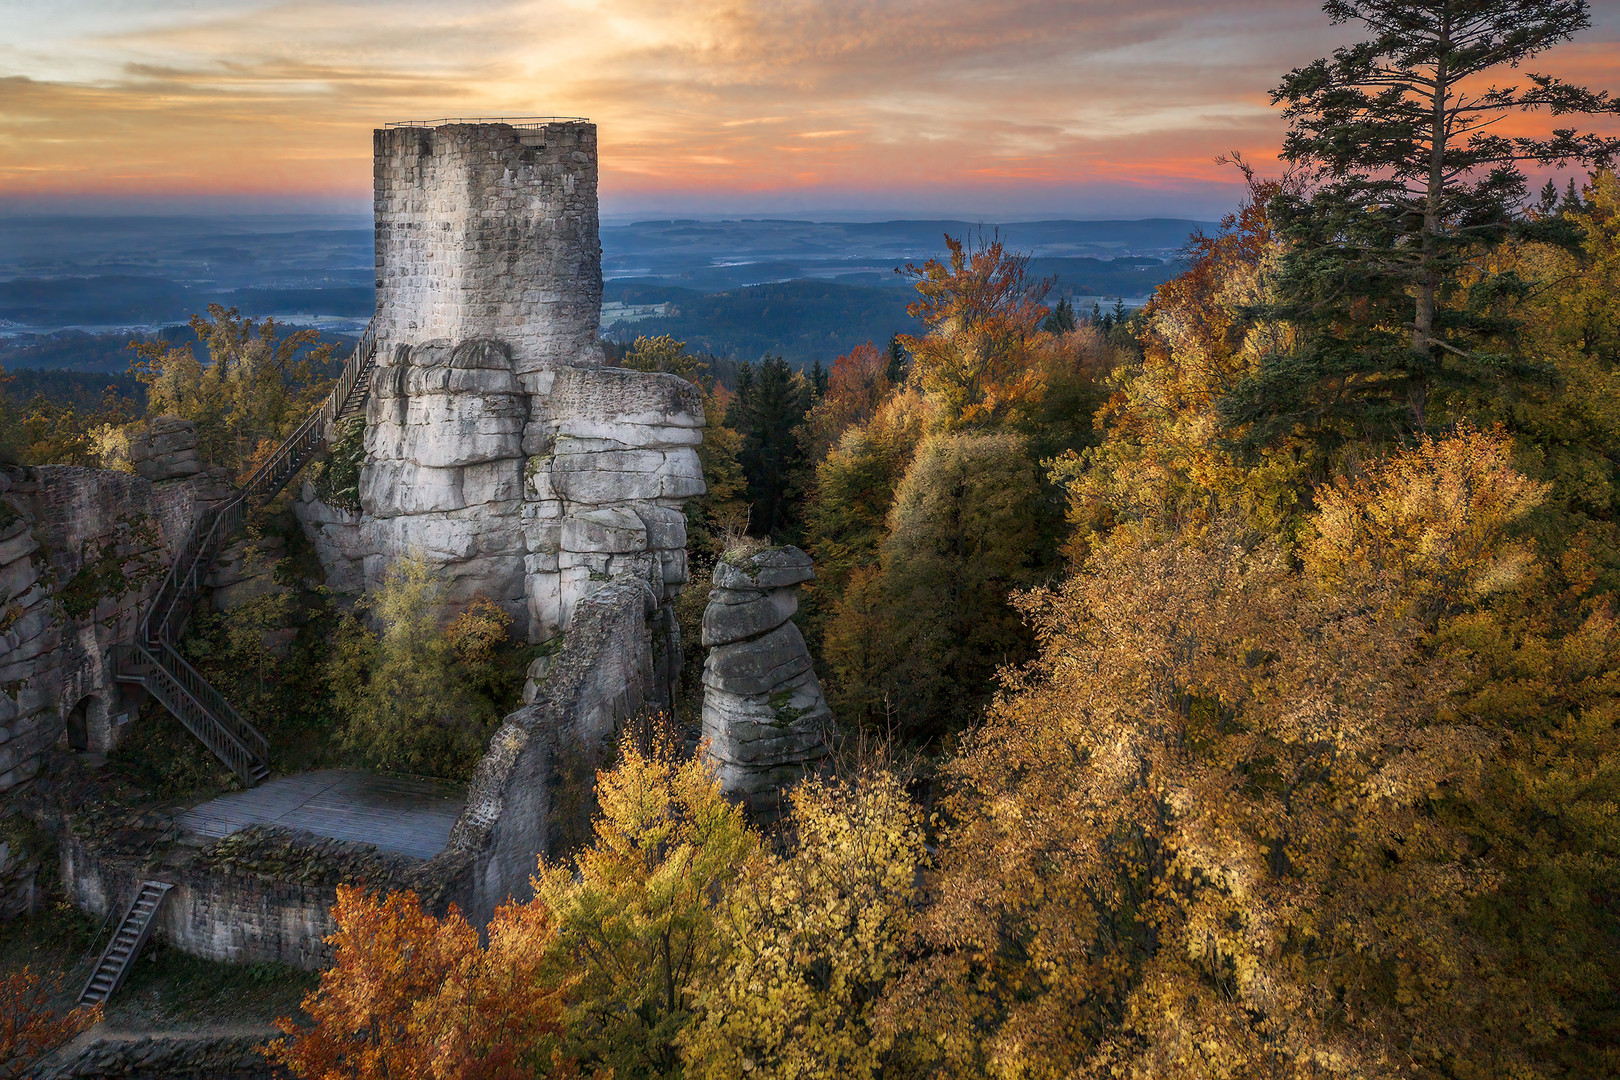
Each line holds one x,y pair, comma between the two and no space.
987,109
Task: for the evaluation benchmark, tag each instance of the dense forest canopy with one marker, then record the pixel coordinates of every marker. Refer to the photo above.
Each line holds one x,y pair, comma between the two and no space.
1226,689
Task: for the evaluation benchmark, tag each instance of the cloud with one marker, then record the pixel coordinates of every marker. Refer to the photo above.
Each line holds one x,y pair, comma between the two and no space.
696,101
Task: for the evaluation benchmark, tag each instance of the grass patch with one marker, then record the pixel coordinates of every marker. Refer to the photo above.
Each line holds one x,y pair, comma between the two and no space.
167,986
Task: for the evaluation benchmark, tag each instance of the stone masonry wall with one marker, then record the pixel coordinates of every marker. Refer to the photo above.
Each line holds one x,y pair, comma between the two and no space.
530,796
55,674
245,918
531,793
498,449
489,231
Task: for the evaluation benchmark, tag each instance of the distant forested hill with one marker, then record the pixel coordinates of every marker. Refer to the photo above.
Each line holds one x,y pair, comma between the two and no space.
114,299
802,321
83,390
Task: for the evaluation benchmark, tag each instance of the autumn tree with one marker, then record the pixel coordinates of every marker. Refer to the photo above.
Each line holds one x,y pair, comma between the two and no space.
637,912
30,1027
43,431
1565,426
257,384
1201,835
1165,463
414,695
964,534
1412,178
409,994
814,937
856,386
1542,670
847,519
982,312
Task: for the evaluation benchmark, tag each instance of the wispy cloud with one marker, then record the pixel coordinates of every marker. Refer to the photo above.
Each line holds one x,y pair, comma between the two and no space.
698,102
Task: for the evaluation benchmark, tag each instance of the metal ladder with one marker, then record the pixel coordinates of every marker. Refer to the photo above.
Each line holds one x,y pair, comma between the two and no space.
126,943
153,661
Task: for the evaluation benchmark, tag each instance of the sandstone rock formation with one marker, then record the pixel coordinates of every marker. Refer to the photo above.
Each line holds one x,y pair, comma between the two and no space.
764,717
58,523
498,449
166,449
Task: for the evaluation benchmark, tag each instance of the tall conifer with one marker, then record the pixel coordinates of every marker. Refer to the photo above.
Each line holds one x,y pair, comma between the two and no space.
1408,180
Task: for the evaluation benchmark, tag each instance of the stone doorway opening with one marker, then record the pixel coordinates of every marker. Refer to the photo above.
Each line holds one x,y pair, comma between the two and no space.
78,724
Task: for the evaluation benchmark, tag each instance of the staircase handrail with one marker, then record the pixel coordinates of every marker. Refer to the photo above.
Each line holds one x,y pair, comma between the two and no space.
204,711
202,691
198,718
184,579
269,478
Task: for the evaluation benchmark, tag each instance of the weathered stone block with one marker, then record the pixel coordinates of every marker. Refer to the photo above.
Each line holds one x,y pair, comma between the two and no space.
605,530
771,569
737,616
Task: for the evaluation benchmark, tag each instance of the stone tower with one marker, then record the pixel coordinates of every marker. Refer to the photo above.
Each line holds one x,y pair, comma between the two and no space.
498,448
489,231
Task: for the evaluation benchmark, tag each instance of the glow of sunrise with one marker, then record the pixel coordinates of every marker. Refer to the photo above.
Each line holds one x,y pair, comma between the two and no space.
1009,107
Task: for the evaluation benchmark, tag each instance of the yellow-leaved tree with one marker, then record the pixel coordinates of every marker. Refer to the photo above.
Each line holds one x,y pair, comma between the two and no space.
1202,836
813,938
1164,464
257,384
636,913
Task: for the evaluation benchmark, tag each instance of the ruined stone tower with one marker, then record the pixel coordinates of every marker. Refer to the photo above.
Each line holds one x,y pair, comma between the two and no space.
489,231
498,448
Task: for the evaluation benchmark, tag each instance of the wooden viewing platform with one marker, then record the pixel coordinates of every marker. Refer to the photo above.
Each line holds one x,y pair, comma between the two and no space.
401,815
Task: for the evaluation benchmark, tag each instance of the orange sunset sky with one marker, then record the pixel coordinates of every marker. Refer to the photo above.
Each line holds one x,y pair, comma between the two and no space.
996,108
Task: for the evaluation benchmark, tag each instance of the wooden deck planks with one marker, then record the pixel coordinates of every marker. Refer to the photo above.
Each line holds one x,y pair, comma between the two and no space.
396,814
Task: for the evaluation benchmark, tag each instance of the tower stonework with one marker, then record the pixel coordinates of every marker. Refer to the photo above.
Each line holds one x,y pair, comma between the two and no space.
499,449
490,231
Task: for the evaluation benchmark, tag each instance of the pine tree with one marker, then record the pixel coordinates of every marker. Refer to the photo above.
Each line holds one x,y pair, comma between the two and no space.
771,403
1062,320
899,362
1411,181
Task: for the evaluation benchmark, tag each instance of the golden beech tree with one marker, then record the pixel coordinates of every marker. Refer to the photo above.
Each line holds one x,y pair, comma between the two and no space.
1164,464
1201,835
256,387
814,937
411,995
1433,521
636,911
29,1026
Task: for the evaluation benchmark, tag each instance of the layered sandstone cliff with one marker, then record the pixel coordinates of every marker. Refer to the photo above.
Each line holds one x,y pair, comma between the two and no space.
766,723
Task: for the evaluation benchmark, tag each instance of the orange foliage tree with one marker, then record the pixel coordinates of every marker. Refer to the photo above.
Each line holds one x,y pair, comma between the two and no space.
411,995
857,385
983,314
29,1027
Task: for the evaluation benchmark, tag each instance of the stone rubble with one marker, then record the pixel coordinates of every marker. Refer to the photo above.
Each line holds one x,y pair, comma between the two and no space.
766,723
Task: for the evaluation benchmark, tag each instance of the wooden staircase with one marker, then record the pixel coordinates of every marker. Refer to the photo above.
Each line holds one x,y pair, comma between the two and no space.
126,942
153,661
